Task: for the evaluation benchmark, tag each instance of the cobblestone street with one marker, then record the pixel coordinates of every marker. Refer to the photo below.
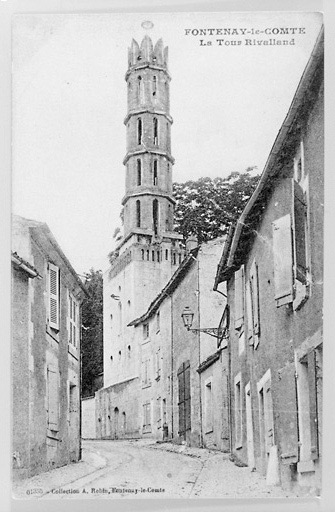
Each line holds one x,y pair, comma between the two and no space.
144,469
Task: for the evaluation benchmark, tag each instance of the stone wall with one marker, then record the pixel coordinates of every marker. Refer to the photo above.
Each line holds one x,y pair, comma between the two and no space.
88,427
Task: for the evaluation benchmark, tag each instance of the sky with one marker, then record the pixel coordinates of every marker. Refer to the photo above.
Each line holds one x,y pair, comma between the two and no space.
228,101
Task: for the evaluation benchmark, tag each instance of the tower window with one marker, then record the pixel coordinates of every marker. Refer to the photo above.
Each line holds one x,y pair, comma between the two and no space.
142,252
147,255
139,131
140,89
155,123
158,256
153,255
155,215
174,258
139,172
138,213
154,85
166,254
155,177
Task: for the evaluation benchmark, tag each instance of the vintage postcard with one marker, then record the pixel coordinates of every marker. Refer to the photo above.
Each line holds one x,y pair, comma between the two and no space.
167,255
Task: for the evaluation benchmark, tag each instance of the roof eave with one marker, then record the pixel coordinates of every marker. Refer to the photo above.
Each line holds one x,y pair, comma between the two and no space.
310,68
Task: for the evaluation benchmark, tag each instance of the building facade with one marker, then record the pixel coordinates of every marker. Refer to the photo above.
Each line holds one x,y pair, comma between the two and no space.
183,394
46,301
272,263
150,250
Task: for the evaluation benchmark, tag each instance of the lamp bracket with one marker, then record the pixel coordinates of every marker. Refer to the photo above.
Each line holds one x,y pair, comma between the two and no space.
213,331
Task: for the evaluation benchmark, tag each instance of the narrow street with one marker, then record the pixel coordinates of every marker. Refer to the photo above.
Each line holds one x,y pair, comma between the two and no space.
145,469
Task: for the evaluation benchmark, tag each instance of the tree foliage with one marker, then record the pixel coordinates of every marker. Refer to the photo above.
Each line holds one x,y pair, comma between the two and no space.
206,207
92,328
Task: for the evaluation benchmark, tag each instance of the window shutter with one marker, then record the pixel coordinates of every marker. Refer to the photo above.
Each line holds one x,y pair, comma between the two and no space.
269,432
283,260
313,410
255,298
300,214
75,323
53,403
239,297
69,324
288,421
249,312
53,296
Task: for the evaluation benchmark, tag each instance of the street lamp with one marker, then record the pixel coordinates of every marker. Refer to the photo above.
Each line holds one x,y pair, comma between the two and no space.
188,315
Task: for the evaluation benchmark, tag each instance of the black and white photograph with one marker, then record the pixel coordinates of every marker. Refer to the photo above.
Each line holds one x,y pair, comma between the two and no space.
167,248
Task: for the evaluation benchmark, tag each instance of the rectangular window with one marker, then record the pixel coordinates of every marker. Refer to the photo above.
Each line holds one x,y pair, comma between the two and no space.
146,376
53,397
238,411
147,417
239,300
291,243
300,233
73,321
208,407
309,382
266,427
53,293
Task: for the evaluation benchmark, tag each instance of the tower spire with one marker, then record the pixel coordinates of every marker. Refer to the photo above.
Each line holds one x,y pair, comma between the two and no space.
148,202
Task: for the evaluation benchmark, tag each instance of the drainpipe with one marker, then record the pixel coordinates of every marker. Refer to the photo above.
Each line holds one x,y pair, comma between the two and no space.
228,382
80,386
199,353
229,395
171,379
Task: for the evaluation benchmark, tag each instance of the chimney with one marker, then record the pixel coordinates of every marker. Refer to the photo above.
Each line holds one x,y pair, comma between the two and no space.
191,243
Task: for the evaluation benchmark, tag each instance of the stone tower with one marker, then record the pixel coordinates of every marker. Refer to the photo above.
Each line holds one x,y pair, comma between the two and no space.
150,250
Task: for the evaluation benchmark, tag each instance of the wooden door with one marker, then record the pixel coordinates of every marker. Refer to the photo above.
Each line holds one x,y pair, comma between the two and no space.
184,399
